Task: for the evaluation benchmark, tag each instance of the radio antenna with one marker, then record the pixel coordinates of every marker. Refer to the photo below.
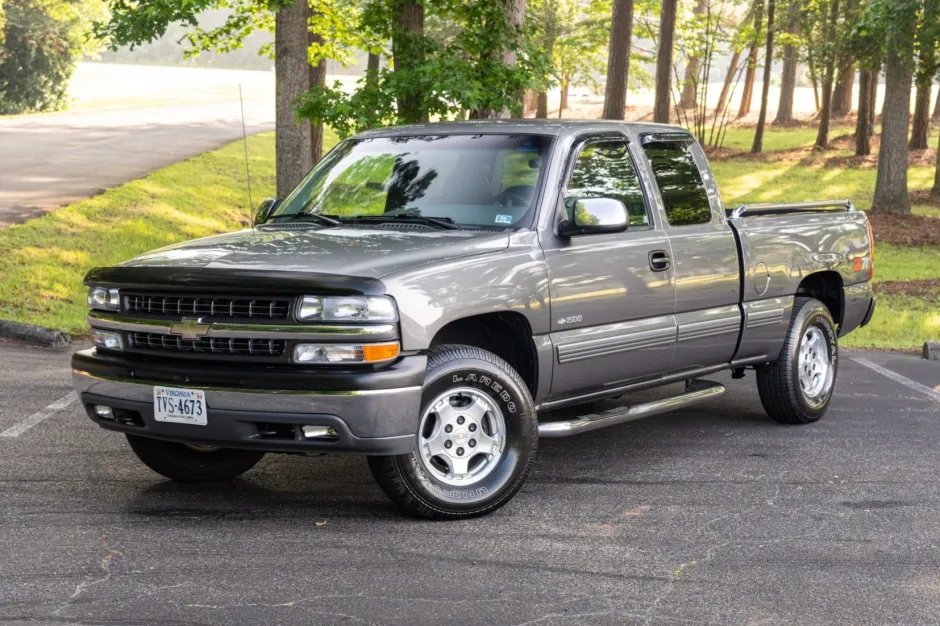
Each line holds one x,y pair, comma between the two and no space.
251,204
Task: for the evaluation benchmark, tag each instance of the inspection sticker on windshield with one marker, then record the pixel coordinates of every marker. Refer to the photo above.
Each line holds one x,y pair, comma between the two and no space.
180,406
504,219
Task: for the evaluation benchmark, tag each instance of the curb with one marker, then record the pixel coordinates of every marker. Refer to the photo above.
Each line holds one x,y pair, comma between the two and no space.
35,335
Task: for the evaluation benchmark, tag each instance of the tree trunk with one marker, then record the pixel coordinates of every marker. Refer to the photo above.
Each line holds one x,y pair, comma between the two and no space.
751,73
618,60
921,126
936,109
667,37
790,61
565,86
729,79
408,53
758,145
317,78
842,94
531,100
692,68
293,153
862,130
936,175
822,137
541,109
891,195
372,66
874,102
516,10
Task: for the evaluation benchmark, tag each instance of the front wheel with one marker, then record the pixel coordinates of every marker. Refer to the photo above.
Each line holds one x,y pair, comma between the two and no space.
476,438
798,386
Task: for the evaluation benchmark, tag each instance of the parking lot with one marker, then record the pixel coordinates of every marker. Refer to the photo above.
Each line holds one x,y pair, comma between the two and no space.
712,515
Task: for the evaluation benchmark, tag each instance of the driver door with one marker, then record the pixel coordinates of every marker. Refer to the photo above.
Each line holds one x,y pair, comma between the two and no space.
612,295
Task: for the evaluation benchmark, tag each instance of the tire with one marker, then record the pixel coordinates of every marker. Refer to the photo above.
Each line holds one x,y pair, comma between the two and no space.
480,397
186,464
791,395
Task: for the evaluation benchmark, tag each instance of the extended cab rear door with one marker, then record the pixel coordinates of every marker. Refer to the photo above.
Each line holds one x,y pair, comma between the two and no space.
611,298
704,251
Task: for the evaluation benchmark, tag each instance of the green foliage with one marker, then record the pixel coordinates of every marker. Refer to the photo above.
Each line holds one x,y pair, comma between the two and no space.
40,42
460,69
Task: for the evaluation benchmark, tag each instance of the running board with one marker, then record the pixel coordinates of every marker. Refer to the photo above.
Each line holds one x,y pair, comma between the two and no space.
697,391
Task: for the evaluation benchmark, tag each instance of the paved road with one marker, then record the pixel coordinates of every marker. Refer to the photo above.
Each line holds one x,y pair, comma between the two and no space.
47,161
713,515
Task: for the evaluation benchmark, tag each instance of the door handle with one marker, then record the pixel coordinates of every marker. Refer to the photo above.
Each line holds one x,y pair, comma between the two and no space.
659,260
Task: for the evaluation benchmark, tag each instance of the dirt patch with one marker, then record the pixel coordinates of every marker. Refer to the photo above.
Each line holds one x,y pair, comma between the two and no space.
928,287
905,230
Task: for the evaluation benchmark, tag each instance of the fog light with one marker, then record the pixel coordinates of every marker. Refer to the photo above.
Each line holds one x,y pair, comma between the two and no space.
320,432
104,412
107,339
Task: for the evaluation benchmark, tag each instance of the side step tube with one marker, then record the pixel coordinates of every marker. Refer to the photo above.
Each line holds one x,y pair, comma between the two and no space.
698,391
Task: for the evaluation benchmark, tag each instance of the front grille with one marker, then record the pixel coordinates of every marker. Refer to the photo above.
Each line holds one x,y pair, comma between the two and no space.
210,306
208,345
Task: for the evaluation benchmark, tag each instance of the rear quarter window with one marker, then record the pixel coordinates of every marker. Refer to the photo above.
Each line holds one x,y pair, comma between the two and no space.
685,198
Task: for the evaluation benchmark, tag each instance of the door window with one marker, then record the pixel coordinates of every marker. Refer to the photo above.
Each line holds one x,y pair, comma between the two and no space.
604,169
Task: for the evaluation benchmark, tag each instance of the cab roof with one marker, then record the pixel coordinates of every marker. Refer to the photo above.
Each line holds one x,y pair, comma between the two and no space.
554,128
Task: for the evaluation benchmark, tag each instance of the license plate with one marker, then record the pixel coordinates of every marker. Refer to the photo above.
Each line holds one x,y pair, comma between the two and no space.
180,406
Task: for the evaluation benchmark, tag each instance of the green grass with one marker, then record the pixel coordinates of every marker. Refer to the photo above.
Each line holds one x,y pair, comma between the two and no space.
747,180
904,263
899,322
778,138
43,261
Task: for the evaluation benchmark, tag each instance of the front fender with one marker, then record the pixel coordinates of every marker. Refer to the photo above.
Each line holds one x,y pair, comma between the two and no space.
431,296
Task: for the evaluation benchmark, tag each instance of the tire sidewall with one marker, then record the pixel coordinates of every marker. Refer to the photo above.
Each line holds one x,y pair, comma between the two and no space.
518,415
815,315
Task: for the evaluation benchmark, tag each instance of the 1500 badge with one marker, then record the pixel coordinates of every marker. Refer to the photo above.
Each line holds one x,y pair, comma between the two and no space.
571,319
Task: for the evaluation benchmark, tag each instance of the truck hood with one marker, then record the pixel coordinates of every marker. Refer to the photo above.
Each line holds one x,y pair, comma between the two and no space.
348,251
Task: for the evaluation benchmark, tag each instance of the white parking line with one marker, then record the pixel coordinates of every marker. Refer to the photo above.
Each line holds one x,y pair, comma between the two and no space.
38,416
904,380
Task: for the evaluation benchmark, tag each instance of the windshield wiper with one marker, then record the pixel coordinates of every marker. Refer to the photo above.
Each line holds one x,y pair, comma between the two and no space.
324,219
446,223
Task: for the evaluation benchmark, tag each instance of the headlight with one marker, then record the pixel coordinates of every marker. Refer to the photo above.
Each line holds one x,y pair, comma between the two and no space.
107,339
347,309
345,353
104,298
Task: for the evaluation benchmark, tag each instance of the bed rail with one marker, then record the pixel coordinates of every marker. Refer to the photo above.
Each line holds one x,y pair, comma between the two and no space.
779,208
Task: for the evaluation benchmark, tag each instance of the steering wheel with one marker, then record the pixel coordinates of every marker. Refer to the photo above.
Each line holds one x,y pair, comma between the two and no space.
515,196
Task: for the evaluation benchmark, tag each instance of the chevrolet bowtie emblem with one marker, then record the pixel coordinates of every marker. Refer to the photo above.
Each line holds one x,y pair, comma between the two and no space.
190,328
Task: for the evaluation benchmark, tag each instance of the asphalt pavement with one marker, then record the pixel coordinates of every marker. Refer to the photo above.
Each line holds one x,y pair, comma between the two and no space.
50,160
712,515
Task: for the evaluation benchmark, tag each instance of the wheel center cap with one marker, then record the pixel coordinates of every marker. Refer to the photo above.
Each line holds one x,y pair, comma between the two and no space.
461,436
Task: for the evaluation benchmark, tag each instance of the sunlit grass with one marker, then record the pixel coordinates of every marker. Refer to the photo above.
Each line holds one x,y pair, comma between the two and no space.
777,137
43,261
899,322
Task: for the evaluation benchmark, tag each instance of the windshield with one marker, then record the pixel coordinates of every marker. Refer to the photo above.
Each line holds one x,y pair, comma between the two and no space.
471,180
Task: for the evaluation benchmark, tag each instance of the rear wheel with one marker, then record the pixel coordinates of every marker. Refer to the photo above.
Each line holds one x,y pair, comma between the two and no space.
476,439
192,463
797,388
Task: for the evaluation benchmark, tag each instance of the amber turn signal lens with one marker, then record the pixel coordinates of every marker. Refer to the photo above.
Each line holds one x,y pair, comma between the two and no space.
379,352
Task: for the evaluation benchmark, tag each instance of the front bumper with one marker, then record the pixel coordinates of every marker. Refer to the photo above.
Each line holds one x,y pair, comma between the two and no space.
372,411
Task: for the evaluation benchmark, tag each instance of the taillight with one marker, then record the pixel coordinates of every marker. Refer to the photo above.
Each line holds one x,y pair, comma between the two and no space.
871,252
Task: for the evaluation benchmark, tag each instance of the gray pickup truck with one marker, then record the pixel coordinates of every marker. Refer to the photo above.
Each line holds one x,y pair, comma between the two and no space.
430,295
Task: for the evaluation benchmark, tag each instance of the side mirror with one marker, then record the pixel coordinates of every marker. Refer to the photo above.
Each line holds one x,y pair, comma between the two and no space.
264,210
594,216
